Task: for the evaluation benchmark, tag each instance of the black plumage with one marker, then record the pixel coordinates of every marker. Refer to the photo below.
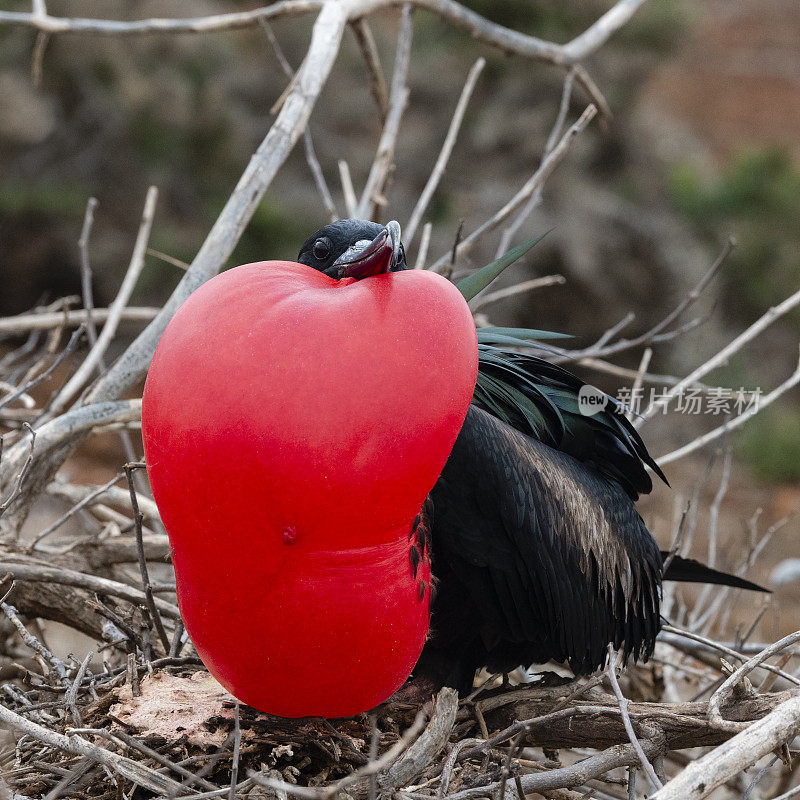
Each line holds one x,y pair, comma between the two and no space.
538,552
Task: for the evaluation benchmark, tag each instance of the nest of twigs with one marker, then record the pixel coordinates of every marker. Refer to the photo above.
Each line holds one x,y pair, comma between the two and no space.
133,714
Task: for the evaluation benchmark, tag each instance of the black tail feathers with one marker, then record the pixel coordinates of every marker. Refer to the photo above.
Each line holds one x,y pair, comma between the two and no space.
690,571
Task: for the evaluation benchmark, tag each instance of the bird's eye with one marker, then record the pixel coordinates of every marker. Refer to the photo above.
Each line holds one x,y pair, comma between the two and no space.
321,249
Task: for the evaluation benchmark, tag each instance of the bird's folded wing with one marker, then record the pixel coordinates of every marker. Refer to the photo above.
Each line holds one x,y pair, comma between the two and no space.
549,551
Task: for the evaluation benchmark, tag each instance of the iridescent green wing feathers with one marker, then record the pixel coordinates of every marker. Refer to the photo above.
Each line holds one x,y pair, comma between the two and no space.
540,399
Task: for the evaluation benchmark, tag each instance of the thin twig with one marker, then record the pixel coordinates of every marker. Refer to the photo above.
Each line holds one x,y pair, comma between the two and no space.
15,492
237,741
507,40
31,641
552,140
43,376
39,573
148,590
350,201
54,526
481,301
92,360
424,243
43,321
439,167
724,355
611,671
372,196
372,61
732,424
71,698
544,171
86,271
308,141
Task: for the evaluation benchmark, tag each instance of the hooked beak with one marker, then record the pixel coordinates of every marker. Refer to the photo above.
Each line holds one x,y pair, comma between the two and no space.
374,258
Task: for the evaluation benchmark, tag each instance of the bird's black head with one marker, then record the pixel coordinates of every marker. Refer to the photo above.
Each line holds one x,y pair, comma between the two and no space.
354,248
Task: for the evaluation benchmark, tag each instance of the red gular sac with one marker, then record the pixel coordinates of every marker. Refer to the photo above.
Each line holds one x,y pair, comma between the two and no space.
293,426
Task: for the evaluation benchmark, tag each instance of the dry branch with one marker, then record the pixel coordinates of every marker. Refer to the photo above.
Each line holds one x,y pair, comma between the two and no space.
505,39
45,321
372,198
549,163
701,777
444,155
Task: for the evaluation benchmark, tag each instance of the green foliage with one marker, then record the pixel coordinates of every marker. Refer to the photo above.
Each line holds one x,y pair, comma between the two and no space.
770,443
758,199
477,281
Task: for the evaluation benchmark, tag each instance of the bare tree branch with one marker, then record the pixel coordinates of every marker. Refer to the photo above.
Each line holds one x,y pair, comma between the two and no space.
410,229
547,166
372,196
702,776
92,360
507,40
372,61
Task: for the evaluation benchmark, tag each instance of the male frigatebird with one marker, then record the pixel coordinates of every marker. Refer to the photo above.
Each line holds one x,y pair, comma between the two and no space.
537,550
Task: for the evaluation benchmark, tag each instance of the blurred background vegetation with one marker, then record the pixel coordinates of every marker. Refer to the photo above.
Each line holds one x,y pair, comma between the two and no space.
704,144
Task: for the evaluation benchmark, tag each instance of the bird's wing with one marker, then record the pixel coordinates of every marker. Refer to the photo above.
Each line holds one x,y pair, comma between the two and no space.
548,551
540,399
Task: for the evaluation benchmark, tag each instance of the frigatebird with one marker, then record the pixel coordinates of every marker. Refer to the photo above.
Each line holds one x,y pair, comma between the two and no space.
537,551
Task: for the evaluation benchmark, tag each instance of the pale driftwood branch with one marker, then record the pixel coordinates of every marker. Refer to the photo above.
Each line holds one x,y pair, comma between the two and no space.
308,141
507,40
622,755
702,776
224,235
549,163
78,420
95,355
46,320
611,671
719,647
41,573
111,494
724,355
373,195
350,200
421,206
424,750
481,301
552,140
86,271
424,243
732,424
724,691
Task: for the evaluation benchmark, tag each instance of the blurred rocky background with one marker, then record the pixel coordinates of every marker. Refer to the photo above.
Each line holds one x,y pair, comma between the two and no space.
704,144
